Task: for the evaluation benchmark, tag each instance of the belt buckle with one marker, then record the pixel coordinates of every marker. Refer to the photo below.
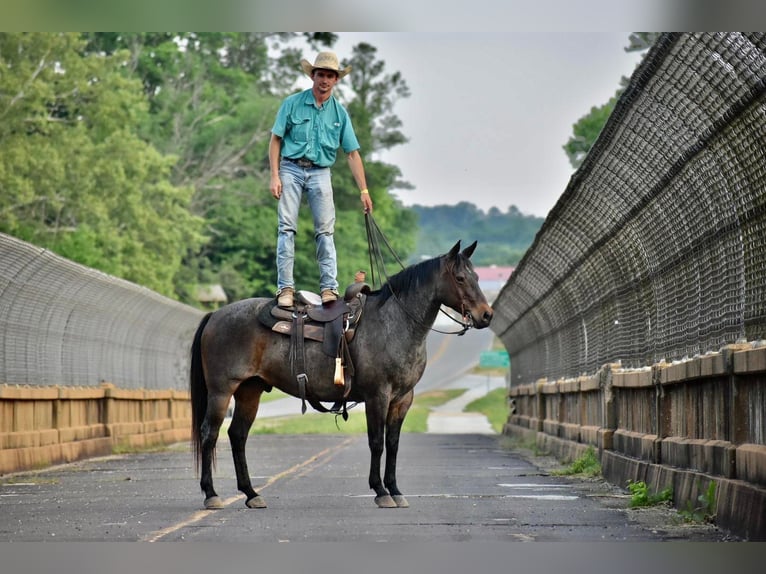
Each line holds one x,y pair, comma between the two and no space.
303,162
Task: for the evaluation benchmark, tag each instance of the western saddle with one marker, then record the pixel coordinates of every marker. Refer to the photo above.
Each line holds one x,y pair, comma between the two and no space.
332,324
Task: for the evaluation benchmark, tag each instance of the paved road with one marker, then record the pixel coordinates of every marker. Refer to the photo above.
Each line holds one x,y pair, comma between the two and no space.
461,487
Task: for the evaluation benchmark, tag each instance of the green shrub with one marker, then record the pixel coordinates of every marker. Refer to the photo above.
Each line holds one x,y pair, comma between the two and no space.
705,510
640,495
586,464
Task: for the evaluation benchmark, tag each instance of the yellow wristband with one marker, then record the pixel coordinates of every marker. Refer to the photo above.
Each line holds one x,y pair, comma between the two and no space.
365,191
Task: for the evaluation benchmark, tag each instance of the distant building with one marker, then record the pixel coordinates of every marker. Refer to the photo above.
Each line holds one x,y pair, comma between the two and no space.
493,277
211,296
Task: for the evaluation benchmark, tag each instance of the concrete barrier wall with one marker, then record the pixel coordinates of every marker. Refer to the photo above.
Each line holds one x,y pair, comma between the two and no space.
681,425
42,426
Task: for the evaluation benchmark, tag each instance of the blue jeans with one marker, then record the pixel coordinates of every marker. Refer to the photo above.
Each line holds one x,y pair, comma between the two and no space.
315,182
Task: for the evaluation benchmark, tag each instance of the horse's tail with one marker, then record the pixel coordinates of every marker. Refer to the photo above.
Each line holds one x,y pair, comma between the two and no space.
198,391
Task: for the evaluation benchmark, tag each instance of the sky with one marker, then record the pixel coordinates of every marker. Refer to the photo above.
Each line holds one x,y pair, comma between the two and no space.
489,112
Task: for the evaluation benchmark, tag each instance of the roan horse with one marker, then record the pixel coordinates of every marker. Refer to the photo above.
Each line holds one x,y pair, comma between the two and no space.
233,354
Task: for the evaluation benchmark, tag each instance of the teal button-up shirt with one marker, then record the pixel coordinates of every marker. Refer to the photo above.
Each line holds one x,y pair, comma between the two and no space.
312,132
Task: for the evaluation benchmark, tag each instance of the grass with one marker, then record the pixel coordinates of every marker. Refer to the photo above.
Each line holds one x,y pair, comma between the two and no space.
587,464
705,510
640,495
417,417
317,423
274,395
494,406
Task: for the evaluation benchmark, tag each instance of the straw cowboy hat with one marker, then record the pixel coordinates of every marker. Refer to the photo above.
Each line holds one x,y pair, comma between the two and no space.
325,61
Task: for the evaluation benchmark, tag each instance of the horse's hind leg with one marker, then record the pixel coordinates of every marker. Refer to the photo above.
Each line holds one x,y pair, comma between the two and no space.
211,425
396,412
247,398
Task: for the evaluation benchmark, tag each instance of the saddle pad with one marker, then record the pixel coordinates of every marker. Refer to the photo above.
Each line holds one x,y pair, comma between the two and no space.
265,317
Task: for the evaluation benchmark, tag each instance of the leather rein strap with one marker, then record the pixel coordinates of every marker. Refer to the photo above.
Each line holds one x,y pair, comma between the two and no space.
374,236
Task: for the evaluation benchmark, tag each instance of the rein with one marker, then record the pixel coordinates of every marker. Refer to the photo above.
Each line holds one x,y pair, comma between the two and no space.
374,236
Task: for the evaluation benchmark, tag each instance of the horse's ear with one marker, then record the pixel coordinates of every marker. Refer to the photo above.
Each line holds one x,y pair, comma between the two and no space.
468,251
454,251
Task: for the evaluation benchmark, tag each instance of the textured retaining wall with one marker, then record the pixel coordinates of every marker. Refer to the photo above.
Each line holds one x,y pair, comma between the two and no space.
41,426
682,425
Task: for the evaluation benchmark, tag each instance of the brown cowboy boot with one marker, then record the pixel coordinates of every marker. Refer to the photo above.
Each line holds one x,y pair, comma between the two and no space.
329,295
285,297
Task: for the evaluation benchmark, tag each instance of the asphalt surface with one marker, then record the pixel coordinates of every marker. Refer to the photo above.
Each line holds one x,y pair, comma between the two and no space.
461,487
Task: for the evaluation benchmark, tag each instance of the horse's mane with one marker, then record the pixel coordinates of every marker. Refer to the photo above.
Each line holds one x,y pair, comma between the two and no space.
410,278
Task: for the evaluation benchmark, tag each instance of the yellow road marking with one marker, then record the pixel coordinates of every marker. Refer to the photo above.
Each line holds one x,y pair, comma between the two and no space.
199,515
440,351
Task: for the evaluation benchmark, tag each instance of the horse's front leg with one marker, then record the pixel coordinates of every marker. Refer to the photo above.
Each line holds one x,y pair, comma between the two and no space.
397,410
247,398
375,412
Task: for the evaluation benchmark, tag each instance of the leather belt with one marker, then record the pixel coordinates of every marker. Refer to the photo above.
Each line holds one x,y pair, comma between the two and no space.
301,162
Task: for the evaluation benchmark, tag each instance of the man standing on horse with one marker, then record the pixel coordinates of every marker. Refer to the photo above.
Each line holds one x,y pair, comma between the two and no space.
309,128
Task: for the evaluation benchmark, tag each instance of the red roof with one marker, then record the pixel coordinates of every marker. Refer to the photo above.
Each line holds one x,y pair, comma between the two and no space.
494,273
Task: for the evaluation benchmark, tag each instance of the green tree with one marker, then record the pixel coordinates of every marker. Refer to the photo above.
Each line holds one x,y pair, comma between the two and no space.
74,173
586,130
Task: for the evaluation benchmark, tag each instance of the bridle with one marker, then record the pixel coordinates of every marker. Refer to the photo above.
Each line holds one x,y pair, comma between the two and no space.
374,236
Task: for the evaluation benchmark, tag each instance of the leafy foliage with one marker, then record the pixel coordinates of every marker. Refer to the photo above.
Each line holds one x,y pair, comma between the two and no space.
586,131
76,176
640,495
705,510
586,464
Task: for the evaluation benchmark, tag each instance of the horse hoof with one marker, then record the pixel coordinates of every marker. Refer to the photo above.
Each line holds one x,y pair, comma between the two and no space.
256,502
385,501
400,501
213,503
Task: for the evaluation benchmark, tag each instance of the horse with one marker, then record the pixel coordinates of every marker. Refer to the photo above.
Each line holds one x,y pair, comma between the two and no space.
233,354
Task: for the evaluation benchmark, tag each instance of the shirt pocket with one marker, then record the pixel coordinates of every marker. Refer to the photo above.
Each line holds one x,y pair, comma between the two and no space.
330,136
299,128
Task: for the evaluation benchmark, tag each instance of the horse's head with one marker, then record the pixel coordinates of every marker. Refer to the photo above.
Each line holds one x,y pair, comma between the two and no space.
460,289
